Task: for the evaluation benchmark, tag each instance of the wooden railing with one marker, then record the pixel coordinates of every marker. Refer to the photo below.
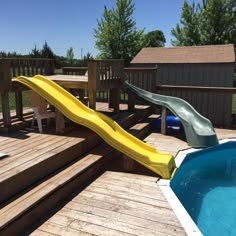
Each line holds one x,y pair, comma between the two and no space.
215,103
12,67
195,89
144,78
106,75
103,74
74,70
107,78
31,66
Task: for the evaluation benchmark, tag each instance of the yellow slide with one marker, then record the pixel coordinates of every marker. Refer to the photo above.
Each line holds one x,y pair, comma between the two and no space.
161,163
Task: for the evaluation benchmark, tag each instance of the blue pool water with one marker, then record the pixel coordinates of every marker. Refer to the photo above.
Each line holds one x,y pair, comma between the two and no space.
205,184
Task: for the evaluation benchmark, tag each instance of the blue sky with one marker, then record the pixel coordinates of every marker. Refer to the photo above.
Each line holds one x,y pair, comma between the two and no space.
71,23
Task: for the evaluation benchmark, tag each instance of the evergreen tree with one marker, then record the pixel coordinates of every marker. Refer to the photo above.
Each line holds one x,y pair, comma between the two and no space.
116,35
70,56
35,52
210,22
218,22
187,32
46,51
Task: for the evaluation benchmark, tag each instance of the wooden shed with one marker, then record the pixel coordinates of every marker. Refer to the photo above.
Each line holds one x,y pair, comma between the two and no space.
203,66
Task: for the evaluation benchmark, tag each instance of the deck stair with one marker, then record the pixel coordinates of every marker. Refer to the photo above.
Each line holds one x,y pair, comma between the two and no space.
29,193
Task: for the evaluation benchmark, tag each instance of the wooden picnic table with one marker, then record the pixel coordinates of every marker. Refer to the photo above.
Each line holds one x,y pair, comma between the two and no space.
70,81
102,75
76,82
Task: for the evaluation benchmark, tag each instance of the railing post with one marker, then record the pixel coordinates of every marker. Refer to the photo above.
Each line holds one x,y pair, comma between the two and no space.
114,98
92,83
163,120
5,84
49,67
19,104
131,101
5,74
154,80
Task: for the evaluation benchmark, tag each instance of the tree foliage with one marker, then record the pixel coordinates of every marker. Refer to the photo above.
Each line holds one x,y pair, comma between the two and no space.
116,35
208,22
46,51
154,38
35,53
187,32
70,55
218,22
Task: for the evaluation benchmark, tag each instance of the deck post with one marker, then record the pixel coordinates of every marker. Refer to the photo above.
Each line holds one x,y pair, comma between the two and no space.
60,122
49,67
131,101
128,163
114,98
6,110
92,83
163,120
19,104
5,84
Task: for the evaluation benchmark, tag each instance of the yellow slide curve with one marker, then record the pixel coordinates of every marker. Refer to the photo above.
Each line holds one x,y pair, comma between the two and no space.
161,163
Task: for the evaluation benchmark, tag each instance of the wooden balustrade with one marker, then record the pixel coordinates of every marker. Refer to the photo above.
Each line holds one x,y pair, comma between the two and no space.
195,89
208,101
74,70
106,75
31,66
13,67
144,78
104,83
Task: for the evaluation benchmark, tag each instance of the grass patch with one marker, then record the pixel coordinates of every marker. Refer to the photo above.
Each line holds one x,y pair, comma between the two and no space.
12,103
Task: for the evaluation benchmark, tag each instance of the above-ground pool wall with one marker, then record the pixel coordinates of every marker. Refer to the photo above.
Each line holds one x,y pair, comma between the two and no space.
216,106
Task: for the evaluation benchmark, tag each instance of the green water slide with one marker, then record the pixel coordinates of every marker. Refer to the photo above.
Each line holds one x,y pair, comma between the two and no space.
199,130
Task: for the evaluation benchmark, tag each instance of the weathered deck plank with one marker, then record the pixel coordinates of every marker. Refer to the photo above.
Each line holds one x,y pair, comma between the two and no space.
112,205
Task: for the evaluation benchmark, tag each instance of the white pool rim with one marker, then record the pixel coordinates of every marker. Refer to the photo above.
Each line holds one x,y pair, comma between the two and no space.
185,219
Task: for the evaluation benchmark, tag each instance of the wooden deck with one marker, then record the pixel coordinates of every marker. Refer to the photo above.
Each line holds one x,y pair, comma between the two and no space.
115,204
178,141
81,182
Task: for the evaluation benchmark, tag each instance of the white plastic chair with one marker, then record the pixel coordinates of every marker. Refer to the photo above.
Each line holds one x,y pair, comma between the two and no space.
39,106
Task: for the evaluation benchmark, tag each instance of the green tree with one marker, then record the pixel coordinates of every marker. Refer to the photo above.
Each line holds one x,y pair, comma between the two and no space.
70,56
218,22
116,35
46,51
187,32
210,22
154,38
35,52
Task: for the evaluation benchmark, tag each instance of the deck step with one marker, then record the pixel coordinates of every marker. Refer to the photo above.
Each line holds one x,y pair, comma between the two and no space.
46,153
30,207
27,164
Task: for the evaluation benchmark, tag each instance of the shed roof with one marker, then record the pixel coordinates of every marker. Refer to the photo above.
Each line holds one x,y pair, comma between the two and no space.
187,54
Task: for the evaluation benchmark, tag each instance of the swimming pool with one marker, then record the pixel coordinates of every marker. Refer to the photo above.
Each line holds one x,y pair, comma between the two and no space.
205,184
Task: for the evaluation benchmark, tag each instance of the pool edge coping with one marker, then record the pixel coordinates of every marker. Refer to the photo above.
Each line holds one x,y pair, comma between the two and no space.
185,219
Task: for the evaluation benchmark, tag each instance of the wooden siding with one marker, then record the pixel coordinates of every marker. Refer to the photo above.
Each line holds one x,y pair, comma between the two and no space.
215,106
